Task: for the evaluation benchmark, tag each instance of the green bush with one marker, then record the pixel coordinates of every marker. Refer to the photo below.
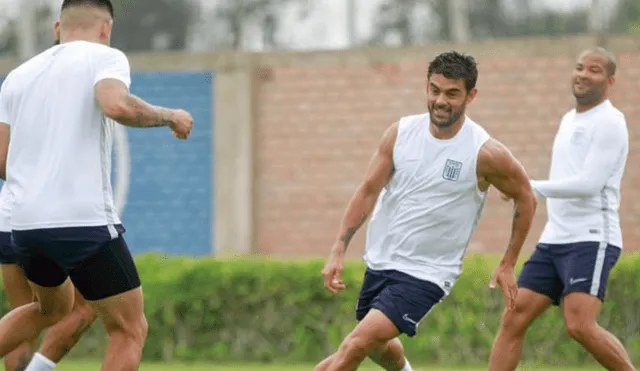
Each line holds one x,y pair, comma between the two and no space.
266,310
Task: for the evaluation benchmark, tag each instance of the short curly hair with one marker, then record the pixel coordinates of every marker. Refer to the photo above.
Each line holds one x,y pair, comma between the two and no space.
455,66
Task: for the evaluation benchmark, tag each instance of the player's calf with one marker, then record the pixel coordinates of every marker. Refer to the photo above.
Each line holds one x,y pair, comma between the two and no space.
580,314
64,335
507,348
18,293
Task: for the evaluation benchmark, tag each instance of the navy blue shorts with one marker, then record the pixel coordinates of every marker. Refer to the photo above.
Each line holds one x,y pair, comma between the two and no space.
405,300
98,263
7,250
560,269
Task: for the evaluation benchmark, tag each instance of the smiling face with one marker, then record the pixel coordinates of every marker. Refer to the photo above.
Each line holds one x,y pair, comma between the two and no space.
447,100
592,77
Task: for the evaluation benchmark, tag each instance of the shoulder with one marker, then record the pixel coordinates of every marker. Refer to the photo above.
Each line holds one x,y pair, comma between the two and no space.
494,157
412,121
609,121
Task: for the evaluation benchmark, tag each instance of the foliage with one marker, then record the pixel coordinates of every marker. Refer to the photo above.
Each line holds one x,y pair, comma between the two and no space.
255,310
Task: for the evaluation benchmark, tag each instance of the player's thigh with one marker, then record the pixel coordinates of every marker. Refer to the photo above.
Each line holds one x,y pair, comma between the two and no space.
539,275
16,285
56,301
588,267
407,301
109,281
372,284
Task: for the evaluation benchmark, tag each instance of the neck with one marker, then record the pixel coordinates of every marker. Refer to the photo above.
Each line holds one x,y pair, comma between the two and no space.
585,107
80,35
447,132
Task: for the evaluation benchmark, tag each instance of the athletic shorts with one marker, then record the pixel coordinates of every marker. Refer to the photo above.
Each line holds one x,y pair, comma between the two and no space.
7,250
556,270
405,300
99,265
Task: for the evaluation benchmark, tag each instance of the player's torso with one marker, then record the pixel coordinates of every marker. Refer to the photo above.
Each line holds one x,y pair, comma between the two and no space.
429,209
587,218
60,148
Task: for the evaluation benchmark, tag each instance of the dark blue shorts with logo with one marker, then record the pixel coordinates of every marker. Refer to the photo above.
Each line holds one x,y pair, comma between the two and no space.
556,270
404,299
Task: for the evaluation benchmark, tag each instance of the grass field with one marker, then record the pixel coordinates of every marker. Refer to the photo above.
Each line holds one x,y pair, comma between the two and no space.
91,366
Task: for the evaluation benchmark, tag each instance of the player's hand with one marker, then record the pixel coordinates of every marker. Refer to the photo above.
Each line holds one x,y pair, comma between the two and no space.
332,271
182,123
504,276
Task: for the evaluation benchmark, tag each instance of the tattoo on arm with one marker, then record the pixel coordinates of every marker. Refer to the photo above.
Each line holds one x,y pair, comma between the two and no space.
348,235
146,115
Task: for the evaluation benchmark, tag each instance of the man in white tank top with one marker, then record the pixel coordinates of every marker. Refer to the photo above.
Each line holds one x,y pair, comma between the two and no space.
424,191
582,239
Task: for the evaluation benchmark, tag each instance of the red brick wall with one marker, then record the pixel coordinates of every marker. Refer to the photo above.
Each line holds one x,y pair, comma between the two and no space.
317,126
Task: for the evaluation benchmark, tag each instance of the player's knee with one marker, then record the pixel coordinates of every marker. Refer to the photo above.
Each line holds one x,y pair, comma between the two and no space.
54,312
516,321
577,327
358,346
86,312
133,330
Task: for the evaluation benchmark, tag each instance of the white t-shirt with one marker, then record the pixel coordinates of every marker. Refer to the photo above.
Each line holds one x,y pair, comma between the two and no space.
59,160
424,218
587,165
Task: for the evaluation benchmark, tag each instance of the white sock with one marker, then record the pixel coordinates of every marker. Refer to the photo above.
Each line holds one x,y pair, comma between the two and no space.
40,363
407,366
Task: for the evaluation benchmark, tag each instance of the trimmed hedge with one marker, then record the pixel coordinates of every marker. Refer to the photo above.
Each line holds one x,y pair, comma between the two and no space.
264,310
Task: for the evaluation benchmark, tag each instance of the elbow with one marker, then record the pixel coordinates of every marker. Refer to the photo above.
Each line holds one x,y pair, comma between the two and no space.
116,109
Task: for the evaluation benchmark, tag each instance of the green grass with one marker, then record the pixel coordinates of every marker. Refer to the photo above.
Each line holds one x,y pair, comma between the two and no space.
92,365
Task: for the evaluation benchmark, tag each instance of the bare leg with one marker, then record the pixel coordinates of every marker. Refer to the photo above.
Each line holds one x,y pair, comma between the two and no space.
370,336
19,293
27,322
580,314
64,335
124,320
507,348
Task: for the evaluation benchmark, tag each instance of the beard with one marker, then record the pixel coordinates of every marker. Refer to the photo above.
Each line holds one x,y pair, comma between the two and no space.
588,96
446,115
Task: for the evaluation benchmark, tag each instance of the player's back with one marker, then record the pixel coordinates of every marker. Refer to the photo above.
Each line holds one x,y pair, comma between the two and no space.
60,149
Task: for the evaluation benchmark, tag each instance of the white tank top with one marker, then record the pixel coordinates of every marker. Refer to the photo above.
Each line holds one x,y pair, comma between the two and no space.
424,218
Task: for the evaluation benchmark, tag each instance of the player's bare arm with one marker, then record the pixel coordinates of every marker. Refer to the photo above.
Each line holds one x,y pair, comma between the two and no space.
360,206
498,167
4,149
119,104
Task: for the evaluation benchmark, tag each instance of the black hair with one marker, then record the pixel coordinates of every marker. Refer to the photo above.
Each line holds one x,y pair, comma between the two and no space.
455,66
104,4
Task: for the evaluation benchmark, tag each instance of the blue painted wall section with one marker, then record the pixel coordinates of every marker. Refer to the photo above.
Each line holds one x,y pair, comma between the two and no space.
169,207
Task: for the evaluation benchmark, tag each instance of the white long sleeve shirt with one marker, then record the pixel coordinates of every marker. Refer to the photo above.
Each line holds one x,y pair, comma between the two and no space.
587,165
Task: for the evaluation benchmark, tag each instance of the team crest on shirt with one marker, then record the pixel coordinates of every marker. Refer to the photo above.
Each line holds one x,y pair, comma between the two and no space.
451,170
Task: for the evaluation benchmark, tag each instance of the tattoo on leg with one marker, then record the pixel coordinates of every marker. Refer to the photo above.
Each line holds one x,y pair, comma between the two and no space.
25,359
80,328
346,238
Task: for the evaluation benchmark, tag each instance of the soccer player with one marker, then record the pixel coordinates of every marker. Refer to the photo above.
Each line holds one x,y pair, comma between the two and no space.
64,223
582,240
424,190
64,335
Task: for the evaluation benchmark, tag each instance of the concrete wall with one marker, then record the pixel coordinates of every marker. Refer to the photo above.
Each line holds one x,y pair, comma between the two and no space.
294,131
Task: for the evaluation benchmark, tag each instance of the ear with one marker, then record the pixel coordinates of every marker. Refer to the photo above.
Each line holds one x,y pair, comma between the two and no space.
106,28
472,95
56,30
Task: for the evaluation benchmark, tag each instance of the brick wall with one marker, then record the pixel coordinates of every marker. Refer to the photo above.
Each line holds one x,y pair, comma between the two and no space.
317,124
